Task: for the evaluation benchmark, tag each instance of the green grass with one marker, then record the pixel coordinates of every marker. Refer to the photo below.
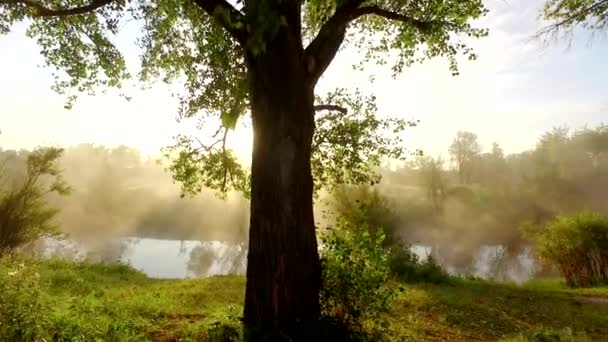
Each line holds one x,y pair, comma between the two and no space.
88,302
557,285
473,310
93,301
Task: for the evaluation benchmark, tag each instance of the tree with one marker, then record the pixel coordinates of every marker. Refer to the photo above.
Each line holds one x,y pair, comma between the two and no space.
432,179
249,58
464,150
491,170
364,207
567,14
24,214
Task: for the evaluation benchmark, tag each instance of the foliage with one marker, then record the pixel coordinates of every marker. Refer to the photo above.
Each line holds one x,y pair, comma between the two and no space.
204,39
567,14
578,244
464,151
364,207
31,320
421,27
24,304
407,267
206,167
80,298
239,54
350,143
37,315
24,213
226,326
432,179
566,172
203,45
356,269
117,191
83,301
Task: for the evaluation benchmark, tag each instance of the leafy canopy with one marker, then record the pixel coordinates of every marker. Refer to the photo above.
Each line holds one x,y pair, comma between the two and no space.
203,45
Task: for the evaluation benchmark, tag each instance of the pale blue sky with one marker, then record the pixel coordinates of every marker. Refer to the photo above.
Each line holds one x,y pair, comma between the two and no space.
517,89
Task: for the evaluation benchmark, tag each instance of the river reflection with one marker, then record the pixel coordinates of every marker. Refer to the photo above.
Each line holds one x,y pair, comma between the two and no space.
185,259
194,259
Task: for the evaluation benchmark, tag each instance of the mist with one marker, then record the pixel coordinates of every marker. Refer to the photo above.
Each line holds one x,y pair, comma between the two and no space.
464,210
117,194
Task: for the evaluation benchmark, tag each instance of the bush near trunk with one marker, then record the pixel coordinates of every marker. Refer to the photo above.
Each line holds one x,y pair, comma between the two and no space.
577,244
356,270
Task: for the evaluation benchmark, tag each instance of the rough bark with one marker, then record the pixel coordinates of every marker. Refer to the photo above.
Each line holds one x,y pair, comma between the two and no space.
283,269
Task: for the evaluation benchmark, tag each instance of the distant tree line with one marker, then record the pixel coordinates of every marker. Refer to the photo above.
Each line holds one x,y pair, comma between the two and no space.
117,192
484,198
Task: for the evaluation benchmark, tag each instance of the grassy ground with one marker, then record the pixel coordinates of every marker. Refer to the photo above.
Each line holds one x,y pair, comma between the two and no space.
87,302
488,311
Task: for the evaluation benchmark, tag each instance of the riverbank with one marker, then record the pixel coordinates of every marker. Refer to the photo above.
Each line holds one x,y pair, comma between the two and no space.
61,300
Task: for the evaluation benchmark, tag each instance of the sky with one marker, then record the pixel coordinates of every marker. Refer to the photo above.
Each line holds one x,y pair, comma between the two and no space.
519,88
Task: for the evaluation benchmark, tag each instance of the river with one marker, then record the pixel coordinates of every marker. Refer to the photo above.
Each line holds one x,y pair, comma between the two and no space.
191,259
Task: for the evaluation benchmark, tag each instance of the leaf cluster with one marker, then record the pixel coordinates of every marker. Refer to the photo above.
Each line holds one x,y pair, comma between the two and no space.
350,145
567,14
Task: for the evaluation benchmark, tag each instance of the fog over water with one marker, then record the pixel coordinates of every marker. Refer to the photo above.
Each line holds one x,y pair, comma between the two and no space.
468,213
179,259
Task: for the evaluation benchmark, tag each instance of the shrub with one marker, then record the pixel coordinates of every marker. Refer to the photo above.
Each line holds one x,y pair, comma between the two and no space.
364,206
226,326
407,267
24,213
356,269
577,244
23,304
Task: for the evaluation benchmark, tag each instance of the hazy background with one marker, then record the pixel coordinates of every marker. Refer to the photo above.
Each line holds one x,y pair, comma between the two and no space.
516,91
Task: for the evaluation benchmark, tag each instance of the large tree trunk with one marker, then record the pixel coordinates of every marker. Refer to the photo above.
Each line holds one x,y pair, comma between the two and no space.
283,269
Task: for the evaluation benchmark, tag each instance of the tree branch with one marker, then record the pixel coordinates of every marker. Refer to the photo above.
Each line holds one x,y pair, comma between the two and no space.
224,158
41,11
227,16
331,108
212,148
572,18
375,10
322,50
